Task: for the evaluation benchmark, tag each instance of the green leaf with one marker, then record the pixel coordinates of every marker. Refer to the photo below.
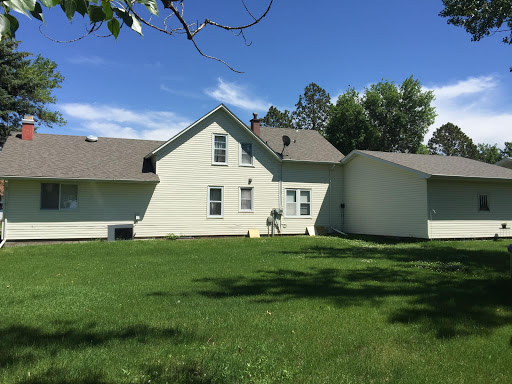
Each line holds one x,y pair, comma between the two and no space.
96,14
69,8
107,9
50,3
21,6
113,26
5,26
129,19
82,7
136,25
151,5
14,24
38,12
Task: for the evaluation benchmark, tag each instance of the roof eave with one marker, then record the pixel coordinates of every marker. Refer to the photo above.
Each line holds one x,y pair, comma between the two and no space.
43,178
471,178
311,161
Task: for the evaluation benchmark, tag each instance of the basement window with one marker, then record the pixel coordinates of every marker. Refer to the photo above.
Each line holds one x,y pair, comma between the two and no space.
483,201
59,196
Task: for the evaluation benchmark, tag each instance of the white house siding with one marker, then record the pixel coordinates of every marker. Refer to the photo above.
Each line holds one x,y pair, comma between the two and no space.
454,208
325,201
99,204
180,201
381,199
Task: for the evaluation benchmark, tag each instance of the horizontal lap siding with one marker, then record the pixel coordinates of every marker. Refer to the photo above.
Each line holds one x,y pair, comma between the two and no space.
315,177
100,204
381,199
454,209
179,204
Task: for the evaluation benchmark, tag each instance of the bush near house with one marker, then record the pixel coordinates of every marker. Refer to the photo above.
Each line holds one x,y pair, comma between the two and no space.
291,310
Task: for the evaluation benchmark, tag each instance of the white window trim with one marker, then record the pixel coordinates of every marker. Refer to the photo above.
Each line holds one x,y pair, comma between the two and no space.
221,216
240,200
213,148
58,209
240,156
299,216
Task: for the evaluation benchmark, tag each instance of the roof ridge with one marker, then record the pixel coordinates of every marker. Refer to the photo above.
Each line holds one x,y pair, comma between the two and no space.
99,137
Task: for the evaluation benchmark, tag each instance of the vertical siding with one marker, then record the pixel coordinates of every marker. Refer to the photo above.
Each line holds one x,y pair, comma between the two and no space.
381,199
100,204
454,209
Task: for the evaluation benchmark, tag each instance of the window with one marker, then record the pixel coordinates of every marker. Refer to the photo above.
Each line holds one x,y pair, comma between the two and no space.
215,201
246,200
59,196
246,154
298,203
220,149
483,202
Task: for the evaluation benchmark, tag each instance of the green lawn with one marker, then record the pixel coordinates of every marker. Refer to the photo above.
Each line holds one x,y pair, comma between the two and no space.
295,310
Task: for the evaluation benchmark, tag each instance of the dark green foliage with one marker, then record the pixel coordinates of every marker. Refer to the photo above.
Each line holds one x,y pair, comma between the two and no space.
276,118
26,87
280,310
348,127
449,140
508,149
386,118
423,150
312,109
490,153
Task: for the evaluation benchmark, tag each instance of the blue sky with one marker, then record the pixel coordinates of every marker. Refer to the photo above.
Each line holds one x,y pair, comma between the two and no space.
153,86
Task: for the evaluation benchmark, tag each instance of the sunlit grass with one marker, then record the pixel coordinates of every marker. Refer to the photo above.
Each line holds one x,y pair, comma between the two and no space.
295,309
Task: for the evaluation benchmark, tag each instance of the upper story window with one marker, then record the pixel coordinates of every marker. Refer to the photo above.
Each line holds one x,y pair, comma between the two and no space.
298,203
59,196
220,149
483,201
246,158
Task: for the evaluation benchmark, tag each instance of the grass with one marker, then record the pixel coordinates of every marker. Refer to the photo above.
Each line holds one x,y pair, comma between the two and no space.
291,310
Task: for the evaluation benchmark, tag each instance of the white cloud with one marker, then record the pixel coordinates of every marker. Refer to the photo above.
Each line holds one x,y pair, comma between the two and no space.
473,105
91,60
109,121
237,95
181,92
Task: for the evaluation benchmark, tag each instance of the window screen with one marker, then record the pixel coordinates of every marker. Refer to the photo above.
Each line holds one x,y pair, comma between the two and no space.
49,196
246,199
484,202
68,196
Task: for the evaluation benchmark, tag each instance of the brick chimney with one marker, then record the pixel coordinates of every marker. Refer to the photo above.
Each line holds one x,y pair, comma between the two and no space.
27,128
255,124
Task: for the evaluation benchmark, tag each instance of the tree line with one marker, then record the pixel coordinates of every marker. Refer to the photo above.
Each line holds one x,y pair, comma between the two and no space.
384,117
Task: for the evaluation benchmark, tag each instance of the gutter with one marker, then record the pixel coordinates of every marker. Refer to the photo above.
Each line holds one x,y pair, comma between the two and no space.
79,179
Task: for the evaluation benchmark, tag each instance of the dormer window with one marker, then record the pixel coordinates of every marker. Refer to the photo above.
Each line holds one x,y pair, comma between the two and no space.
246,158
220,149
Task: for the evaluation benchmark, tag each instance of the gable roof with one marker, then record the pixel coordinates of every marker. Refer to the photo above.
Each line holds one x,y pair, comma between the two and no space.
305,145
50,156
195,123
428,166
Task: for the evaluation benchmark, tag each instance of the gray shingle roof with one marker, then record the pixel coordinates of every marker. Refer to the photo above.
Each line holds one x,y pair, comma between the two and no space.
71,157
306,145
437,165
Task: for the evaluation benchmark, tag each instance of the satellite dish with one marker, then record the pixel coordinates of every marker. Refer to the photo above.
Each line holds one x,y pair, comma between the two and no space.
286,141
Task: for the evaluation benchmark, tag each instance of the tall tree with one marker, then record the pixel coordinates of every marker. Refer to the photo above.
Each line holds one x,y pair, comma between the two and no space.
114,15
26,87
508,149
400,115
348,127
276,118
490,153
312,109
449,140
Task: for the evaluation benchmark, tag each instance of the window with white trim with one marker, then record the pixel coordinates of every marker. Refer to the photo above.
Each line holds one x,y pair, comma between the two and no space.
59,196
215,201
483,201
298,202
220,149
246,158
246,199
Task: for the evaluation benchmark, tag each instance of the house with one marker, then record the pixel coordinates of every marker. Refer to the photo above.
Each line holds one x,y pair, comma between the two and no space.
505,162
221,177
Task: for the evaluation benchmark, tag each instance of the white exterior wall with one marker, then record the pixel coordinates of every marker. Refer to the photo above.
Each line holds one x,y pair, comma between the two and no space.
457,213
381,199
179,203
99,205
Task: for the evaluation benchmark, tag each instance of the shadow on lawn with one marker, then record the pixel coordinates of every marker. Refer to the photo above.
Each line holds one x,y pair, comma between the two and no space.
22,344
453,292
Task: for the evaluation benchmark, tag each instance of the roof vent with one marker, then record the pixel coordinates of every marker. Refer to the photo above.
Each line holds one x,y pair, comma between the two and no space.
91,138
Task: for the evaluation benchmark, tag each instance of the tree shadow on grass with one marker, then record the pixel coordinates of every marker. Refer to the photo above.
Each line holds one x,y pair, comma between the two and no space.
22,344
453,292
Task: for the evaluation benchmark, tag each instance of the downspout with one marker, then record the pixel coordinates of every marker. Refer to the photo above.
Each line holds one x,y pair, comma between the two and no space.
4,218
330,195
